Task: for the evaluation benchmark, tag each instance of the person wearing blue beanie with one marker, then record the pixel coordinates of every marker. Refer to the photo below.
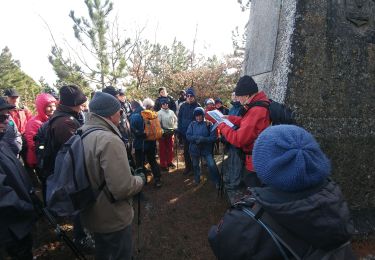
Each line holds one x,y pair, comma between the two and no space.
104,104
288,158
298,200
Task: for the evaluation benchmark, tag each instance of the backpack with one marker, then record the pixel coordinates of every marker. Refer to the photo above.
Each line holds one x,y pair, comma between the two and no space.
279,113
152,127
45,148
68,188
237,221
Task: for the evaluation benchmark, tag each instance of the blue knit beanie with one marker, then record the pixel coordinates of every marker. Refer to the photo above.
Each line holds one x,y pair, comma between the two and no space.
288,158
104,104
190,91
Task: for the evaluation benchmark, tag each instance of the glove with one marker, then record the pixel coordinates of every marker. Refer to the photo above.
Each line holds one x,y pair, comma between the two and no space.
139,172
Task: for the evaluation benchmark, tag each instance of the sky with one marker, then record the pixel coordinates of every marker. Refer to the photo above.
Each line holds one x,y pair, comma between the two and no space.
23,26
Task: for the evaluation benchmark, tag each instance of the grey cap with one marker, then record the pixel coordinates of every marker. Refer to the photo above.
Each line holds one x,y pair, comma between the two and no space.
104,104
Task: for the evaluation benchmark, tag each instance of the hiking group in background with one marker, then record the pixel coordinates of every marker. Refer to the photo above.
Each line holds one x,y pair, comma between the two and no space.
262,164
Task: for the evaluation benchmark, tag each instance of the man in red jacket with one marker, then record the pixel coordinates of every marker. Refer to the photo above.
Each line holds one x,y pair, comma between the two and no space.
253,121
19,114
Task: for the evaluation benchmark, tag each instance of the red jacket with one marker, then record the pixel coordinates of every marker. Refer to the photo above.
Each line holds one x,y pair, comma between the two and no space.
249,127
33,125
20,118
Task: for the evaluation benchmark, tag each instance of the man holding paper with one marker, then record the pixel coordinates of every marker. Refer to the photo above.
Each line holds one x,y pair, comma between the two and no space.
253,120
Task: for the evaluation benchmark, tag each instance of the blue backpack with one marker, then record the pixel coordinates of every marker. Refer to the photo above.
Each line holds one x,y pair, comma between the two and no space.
69,189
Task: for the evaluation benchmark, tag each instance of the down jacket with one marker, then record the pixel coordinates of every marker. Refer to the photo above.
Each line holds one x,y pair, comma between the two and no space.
249,128
107,160
201,138
32,126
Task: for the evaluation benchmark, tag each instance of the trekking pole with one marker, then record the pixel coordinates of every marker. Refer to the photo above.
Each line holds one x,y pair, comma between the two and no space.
60,233
220,191
176,144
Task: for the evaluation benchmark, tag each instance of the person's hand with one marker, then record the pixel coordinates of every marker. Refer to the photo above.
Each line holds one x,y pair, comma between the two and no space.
198,140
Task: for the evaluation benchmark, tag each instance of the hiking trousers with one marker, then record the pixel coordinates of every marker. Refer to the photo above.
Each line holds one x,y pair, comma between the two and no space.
166,153
114,246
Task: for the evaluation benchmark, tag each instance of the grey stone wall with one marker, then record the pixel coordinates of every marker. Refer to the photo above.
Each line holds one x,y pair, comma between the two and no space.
324,67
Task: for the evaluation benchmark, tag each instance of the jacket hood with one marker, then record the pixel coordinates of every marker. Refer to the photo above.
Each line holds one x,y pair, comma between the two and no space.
319,216
41,102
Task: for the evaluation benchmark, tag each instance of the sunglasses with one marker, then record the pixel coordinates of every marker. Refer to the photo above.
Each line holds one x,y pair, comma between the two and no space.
3,118
189,95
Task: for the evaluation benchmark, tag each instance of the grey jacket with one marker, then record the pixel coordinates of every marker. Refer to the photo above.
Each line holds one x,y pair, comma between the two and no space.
106,159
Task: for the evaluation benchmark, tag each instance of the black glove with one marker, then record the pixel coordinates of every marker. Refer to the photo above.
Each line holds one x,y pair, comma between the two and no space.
139,172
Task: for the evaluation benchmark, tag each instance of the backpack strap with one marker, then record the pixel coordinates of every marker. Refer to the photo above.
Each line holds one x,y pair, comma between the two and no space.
83,134
282,238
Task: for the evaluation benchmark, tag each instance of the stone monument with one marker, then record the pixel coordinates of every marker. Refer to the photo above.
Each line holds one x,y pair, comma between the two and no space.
318,56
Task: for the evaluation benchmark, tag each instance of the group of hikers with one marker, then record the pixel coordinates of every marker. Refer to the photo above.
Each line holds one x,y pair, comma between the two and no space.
280,168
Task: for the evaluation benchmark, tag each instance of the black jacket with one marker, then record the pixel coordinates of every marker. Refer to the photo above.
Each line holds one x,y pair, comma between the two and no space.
17,213
171,104
318,216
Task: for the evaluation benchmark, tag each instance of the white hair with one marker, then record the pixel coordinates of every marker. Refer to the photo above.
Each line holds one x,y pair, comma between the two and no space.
148,103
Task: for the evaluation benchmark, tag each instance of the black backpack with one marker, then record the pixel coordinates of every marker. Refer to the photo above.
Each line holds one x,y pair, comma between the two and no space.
45,147
279,113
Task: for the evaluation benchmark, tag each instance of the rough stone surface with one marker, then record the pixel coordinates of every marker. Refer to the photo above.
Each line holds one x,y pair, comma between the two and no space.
324,67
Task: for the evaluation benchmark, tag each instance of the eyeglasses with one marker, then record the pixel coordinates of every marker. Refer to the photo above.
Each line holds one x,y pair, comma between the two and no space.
3,118
189,96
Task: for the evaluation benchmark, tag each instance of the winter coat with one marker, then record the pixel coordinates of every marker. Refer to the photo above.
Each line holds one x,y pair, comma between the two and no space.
65,126
223,110
20,117
235,109
167,118
106,159
17,213
201,138
319,216
12,137
33,125
185,116
249,127
137,128
171,103
178,103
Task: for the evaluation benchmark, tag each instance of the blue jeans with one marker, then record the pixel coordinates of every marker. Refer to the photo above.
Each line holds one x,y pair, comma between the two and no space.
212,168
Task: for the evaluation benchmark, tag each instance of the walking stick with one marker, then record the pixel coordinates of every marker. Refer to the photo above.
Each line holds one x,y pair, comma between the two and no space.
61,234
220,191
176,141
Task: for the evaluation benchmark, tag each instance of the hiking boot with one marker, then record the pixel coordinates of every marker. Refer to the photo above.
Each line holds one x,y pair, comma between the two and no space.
172,166
86,244
164,169
157,183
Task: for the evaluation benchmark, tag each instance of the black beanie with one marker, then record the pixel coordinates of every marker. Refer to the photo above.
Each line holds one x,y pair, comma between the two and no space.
110,90
71,96
246,86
